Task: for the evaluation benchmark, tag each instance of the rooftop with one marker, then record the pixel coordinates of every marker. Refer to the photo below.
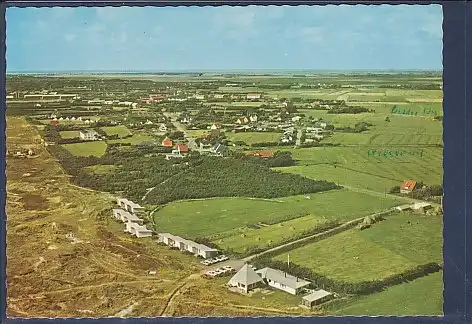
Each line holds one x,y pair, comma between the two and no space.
188,242
282,278
318,294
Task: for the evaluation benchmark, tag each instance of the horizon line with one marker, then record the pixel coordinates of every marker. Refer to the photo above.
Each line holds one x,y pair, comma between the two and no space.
220,71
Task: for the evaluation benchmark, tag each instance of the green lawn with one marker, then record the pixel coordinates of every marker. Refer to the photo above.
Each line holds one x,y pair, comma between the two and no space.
69,134
255,137
423,296
387,248
246,238
119,130
96,148
212,216
135,139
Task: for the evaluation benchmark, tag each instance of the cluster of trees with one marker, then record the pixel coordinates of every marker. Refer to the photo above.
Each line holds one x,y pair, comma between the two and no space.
349,110
359,288
216,177
358,128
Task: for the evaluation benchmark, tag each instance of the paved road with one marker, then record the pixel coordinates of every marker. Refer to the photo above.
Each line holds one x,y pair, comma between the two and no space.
181,128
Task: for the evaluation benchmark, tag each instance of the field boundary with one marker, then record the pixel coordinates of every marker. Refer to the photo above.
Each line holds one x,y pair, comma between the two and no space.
313,238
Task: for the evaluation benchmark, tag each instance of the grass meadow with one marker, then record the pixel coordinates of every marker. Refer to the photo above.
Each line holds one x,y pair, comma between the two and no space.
207,217
405,240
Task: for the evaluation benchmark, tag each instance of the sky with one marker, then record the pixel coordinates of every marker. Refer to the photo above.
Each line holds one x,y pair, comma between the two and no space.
332,37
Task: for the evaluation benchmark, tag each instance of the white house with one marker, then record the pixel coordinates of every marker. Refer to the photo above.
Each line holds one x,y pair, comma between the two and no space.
219,96
88,135
199,97
138,230
187,245
296,119
283,281
245,279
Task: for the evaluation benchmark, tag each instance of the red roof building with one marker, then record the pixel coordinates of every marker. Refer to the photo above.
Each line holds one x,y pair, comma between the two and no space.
182,148
167,142
264,154
407,186
54,122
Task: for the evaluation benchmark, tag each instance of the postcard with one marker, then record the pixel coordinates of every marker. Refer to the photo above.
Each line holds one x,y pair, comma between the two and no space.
224,161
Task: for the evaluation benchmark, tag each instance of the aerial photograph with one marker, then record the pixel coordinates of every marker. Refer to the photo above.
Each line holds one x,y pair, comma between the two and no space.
224,161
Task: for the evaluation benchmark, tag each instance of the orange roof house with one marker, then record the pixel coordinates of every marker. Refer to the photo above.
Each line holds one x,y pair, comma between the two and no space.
167,142
182,148
407,186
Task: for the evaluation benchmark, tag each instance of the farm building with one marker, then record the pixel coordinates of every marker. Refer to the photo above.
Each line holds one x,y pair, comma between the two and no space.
130,206
138,230
187,245
125,216
283,281
88,135
315,298
407,186
421,207
245,279
167,142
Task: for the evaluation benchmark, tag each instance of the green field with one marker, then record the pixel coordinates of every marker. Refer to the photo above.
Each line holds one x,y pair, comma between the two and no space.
243,239
135,139
119,130
342,176
255,137
387,248
408,299
69,134
96,148
427,168
212,216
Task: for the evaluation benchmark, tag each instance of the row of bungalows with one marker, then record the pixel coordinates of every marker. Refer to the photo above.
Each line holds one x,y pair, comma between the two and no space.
247,279
128,215
187,245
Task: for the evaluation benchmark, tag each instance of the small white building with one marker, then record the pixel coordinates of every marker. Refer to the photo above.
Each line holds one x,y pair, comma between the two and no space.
88,135
245,279
296,119
130,206
315,298
137,229
125,217
253,118
282,280
187,245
